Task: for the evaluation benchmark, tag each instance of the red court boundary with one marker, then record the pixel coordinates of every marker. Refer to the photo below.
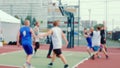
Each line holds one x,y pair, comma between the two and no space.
112,62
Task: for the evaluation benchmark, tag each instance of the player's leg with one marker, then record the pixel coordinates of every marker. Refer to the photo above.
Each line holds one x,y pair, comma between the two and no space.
89,46
96,51
103,41
63,60
37,45
105,47
50,50
29,51
61,56
105,53
53,59
88,50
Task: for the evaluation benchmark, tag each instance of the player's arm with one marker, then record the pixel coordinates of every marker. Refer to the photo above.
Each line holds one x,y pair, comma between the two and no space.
33,34
18,38
46,34
64,37
85,35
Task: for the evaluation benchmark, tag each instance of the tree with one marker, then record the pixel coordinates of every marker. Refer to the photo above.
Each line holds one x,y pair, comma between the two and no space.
33,22
16,16
22,21
98,25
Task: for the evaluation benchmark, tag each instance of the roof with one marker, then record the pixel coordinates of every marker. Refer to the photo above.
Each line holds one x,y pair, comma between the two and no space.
4,17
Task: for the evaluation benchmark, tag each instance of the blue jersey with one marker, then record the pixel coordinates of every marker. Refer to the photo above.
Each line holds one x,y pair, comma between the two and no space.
89,41
25,34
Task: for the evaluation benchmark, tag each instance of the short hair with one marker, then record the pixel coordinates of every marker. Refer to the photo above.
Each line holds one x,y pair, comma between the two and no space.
26,22
55,23
36,23
98,28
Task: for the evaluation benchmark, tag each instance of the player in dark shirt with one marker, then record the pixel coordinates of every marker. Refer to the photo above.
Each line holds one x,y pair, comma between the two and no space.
103,38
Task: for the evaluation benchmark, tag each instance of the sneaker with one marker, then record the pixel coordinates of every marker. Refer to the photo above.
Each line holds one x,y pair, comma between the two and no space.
107,56
99,57
31,66
66,66
50,64
25,65
92,57
49,57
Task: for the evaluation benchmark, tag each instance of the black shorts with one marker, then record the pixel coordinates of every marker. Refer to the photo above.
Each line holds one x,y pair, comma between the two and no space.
103,41
57,52
37,44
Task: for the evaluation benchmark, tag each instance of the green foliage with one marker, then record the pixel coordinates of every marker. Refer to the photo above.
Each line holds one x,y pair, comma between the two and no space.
22,21
16,16
98,25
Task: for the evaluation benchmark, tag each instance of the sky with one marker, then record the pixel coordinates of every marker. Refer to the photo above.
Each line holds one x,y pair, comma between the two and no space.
98,11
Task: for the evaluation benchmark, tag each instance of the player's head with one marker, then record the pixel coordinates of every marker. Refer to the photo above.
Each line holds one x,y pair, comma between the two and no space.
56,23
37,24
85,29
27,23
91,29
102,27
98,28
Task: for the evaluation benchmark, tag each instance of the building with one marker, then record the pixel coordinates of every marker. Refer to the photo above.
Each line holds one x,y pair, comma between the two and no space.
24,8
9,27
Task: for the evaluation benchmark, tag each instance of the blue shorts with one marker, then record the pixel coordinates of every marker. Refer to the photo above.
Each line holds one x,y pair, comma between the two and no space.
96,48
28,49
89,41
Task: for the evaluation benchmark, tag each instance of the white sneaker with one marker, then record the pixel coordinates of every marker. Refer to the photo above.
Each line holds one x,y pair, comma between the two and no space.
25,65
31,66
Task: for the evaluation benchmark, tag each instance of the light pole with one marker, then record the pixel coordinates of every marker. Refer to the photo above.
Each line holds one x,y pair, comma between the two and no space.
78,21
89,10
106,18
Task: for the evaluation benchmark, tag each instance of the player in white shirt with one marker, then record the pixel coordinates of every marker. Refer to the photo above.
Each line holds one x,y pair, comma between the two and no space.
96,42
36,40
57,35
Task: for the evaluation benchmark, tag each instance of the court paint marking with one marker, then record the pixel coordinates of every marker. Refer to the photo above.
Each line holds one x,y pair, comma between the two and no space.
75,66
10,65
10,52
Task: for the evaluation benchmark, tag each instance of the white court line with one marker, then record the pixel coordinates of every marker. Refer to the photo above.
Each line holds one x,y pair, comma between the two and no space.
10,65
10,52
75,66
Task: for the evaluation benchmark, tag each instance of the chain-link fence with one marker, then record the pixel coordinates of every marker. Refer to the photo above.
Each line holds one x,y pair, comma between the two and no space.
92,12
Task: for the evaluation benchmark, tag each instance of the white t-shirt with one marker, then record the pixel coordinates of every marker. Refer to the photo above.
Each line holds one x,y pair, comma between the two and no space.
36,31
57,38
96,38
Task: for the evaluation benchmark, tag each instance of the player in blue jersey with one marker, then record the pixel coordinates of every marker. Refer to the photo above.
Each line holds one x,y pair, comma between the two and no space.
26,34
88,39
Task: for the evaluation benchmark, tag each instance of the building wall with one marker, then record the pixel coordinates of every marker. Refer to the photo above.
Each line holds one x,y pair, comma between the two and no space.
23,8
10,31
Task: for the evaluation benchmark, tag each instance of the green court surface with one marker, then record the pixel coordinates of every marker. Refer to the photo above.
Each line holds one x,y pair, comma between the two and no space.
40,60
